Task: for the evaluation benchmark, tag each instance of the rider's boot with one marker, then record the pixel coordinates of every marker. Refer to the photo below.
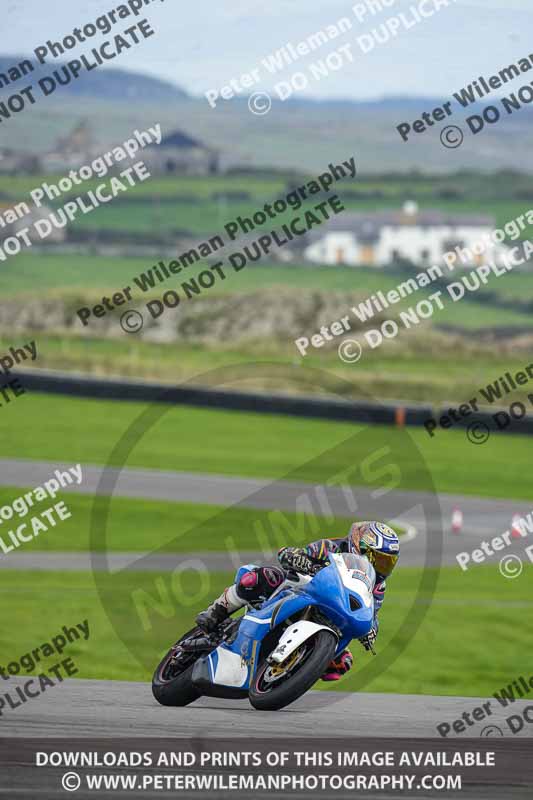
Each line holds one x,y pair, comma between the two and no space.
338,667
219,610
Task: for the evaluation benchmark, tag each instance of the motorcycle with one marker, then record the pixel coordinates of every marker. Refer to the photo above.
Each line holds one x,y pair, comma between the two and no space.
275,653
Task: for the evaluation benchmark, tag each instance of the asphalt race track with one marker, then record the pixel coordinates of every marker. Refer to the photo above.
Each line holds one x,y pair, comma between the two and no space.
116,708
94,711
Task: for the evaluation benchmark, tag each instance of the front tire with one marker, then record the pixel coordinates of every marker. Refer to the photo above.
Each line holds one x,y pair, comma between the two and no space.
171,687
270,694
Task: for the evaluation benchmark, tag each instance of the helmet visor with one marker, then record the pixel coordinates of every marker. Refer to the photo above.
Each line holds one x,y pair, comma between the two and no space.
383,563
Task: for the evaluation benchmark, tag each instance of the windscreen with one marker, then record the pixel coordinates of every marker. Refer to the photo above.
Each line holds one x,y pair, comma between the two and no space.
361,567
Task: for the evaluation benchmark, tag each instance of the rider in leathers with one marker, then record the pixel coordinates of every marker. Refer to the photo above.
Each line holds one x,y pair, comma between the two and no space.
375,540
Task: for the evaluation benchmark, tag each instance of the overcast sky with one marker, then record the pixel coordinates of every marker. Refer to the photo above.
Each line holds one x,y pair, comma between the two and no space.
202,44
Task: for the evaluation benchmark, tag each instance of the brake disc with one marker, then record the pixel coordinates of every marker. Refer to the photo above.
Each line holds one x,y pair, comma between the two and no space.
275,671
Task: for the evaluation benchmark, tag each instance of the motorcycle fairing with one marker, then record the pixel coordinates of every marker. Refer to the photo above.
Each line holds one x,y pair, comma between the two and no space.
231,667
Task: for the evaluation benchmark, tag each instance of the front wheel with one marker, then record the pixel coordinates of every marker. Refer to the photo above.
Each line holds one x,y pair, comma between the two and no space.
275,686
172,681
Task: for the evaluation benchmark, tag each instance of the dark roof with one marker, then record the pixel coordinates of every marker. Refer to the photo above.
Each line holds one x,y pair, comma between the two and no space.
367,226
422,219
180,139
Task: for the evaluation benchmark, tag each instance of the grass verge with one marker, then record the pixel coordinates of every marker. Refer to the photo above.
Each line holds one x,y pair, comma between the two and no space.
474,658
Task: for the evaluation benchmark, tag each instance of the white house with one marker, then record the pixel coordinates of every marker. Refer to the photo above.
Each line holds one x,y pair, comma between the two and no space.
421,237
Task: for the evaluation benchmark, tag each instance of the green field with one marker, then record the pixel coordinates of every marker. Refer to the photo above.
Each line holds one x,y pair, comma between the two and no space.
30,272
19,187
235,443
202,205
202,219
442,659
460,187
210,216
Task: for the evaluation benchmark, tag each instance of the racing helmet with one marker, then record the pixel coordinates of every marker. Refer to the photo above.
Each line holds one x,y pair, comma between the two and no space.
378,542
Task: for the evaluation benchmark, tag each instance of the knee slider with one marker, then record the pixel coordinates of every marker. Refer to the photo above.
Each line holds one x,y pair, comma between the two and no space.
248,580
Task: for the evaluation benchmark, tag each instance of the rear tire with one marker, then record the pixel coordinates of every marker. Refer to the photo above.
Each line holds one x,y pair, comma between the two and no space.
264,698
177,690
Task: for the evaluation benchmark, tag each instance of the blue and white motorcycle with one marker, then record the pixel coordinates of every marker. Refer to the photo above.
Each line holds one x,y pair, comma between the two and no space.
273,654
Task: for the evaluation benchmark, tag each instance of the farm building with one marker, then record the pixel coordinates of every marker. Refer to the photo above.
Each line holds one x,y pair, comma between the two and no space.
180,153
388,237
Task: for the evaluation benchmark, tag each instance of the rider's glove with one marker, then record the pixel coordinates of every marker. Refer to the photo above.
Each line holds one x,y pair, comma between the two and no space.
368,641
296,559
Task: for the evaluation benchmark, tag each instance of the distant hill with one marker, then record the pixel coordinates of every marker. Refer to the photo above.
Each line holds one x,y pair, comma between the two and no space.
302,134
103,83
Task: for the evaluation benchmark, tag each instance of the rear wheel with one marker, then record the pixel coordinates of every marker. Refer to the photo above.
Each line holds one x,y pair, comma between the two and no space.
275,686
172,681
